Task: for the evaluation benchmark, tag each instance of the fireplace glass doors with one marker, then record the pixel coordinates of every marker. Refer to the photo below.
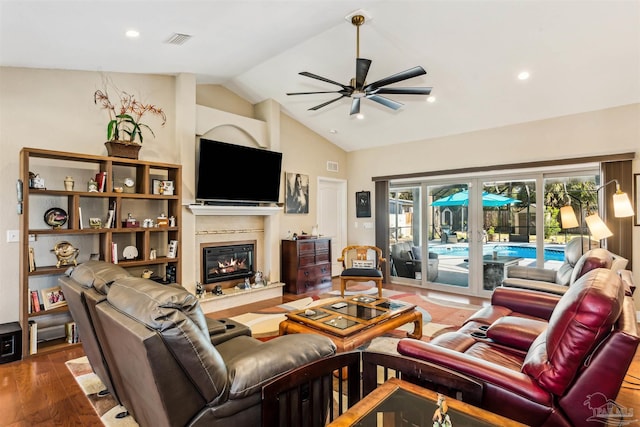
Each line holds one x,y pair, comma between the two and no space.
230,262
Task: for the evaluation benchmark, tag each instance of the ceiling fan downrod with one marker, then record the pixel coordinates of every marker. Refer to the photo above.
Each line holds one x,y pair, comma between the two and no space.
357,20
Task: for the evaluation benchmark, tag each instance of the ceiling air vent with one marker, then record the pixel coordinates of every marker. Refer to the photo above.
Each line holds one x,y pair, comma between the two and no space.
179,39
332,166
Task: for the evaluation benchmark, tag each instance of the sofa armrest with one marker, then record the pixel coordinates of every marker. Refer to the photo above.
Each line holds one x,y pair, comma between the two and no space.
255,367
532,273
513,382
516,332
528,302
536,285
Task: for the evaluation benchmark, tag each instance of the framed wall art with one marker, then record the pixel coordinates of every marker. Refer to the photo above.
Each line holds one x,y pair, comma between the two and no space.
363,204
297,197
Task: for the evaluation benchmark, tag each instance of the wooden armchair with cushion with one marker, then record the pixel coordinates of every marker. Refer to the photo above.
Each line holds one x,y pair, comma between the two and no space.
361,264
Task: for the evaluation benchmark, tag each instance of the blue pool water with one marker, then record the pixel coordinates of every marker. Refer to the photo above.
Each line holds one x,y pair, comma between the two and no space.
550,254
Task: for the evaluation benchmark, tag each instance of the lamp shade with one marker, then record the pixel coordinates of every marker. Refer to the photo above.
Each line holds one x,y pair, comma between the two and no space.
597,227
568,217
622,205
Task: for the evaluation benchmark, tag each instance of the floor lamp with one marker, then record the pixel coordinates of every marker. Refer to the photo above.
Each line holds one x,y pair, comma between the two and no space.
622,208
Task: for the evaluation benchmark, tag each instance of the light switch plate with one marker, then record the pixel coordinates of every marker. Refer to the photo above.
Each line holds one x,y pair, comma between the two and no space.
13,236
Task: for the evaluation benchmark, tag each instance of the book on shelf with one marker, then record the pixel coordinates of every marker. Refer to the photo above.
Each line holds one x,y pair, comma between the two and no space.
32,259
101,180
114,252
71,332
33,337
80,217
110,222
35,302
110,217
173,249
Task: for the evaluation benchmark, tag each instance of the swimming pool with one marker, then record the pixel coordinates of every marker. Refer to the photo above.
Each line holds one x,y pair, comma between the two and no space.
550,254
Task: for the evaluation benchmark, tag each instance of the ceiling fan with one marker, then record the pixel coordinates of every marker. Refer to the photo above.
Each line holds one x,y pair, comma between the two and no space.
358,87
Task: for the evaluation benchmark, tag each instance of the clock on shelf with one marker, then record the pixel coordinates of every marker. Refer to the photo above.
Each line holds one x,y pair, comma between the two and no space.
129,185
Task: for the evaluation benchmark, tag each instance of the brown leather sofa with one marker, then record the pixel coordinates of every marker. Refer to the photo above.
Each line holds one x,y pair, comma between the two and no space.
541,357
155,345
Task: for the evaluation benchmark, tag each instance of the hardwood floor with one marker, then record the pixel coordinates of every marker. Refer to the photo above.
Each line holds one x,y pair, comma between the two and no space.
40,390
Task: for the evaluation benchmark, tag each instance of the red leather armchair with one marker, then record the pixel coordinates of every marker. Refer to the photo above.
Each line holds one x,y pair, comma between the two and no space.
541,367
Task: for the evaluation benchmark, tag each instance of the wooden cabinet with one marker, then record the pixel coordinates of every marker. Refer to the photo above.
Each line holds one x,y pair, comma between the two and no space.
306,264
56,213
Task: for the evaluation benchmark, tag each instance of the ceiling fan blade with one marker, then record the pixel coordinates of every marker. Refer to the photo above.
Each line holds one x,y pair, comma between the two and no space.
324,104
403,90
403,75
385,101
324,79
355,106
311,93
362,69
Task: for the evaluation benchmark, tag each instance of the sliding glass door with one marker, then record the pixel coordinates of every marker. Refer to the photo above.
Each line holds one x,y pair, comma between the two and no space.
462,235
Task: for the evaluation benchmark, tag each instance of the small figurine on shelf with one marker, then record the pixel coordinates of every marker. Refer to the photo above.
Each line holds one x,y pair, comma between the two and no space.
259,280
244,286
200,290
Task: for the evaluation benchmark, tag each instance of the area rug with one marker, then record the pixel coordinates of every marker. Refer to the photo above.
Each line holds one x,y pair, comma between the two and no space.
106,407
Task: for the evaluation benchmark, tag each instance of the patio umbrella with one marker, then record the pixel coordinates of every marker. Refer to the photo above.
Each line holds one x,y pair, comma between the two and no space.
461,198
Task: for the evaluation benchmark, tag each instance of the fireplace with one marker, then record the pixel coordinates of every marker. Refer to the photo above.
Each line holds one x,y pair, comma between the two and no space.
227,262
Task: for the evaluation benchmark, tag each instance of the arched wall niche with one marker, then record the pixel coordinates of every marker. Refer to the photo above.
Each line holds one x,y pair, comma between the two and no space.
233,135
211,120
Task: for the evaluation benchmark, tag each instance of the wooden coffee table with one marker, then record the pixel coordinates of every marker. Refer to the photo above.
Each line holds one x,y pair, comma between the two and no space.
353,321
397,402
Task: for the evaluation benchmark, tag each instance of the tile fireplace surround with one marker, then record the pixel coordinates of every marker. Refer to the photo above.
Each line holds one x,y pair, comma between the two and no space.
215,227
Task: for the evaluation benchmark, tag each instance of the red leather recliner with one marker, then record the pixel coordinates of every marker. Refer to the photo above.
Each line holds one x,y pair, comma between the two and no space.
545,372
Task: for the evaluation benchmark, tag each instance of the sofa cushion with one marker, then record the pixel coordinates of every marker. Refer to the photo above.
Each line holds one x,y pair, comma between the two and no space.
583,317
361,272
98,274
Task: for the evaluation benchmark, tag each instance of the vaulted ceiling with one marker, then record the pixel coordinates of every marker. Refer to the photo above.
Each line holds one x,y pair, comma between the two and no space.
582,55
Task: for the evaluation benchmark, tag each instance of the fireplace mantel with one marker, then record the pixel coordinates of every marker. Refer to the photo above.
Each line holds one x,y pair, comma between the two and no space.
234,210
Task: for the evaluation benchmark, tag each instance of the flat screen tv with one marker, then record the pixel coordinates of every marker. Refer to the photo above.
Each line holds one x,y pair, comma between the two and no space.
229,173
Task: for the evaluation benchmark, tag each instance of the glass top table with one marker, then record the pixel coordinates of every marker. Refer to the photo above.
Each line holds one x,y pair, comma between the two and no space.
399,403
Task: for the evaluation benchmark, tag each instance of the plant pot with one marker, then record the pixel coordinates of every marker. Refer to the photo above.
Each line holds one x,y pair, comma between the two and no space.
122,149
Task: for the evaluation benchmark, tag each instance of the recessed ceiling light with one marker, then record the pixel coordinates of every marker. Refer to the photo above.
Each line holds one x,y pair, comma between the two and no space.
132,34
431,99
360,116
333,131
523,75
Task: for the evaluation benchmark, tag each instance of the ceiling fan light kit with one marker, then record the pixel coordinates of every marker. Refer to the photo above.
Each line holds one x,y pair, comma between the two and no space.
358,87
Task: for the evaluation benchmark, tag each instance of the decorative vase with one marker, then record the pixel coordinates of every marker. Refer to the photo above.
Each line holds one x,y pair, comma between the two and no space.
68,183
124,149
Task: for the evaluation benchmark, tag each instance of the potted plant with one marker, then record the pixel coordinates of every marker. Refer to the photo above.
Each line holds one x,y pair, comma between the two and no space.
124,130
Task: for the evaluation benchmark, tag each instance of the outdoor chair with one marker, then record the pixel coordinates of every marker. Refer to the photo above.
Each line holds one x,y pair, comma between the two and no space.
361,264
